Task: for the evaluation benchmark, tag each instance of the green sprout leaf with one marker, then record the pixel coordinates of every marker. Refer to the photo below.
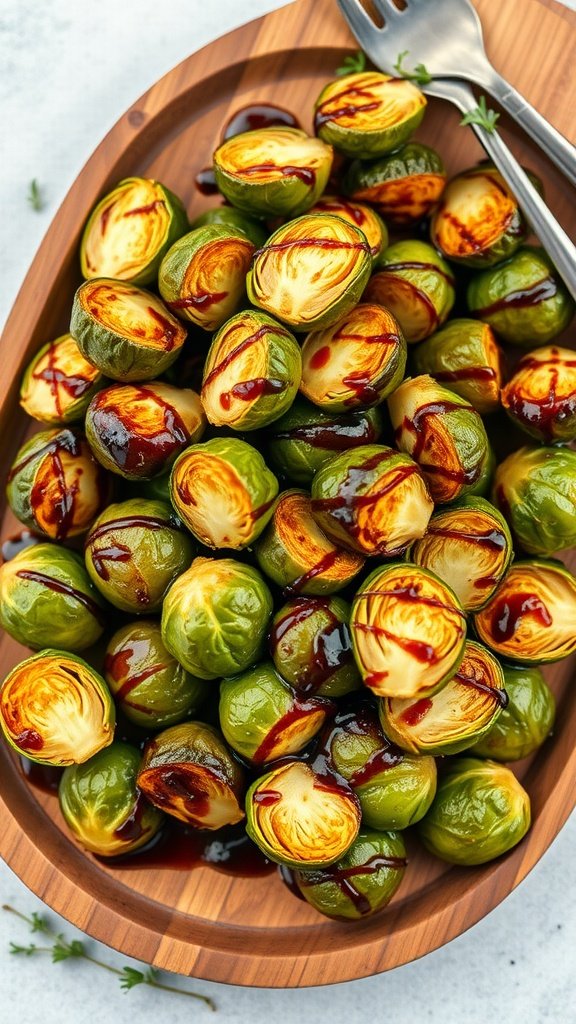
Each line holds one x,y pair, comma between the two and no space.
353,64
35,195
420,74
26,950
482,115
62,950
131,977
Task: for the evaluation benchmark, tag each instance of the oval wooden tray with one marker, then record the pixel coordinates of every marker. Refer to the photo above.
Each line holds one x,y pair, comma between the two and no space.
202,923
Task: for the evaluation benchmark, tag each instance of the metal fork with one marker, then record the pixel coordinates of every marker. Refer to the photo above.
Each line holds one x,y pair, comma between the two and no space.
552,236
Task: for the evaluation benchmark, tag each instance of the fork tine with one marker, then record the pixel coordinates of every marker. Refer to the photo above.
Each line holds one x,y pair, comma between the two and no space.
359,21
387,9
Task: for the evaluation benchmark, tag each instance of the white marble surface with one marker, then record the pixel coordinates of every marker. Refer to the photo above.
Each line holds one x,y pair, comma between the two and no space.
69,68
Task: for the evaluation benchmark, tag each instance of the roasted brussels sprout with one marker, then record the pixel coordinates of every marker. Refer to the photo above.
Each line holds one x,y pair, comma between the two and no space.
408,631
359,214
372,499
480,812
444,435
123,330
273,172
416,285
46,588
58,383
404,186
297,554
368,114
535,488
56,709
469,546
356,362
541,396
311,272
230,217
188,772
134,551
526,720
102,806
129,231
466,357
523,299
137,430
311,646
223,491
55,486
252,372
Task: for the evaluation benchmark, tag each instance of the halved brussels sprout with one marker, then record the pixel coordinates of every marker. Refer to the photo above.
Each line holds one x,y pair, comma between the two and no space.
480,812
469,546
416,285
134,551
535,488
58,383
525,722
311,646
297,554
230,217
531,617
55,709
404,186
356,362
368,114
466,357
188,772
408,631
444,435
147,683
102,805
129,231
202,276
372,499
55,485
302,815
137,430
224,492
123,330
311,272
523,299
46,588
252,372
273,172
215,617
541,396
359,214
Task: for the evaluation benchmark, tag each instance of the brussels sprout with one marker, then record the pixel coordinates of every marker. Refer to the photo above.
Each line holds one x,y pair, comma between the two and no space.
416,285
252,372
480,812
134,551
311,646
404,186
102,806
137,430
541,396
230,217
56,709
188,772
530,618
46,587
356,362
466,357
469,546
526,720
368,114
148,684
408,631
273,172
129,231
297,554
311,272
224,492
372,499
123,330
302,815
215,617
58,383
444,435
535,488
362,882
55,486
202,276
522,299
359,214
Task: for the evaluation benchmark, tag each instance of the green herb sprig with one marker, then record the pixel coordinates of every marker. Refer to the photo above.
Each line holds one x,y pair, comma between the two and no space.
482,115
420,74
35,195
353,64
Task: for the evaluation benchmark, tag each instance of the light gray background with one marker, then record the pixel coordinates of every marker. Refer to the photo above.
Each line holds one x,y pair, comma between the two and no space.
69,68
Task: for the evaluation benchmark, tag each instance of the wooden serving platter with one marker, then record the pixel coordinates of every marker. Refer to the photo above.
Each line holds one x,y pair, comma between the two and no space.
251,931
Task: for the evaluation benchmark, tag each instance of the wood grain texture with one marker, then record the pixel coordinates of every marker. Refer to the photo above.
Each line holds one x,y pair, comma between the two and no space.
200,922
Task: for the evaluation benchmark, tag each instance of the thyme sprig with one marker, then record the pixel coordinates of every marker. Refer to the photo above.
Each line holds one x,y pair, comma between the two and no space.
353,64
420,74
482,115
